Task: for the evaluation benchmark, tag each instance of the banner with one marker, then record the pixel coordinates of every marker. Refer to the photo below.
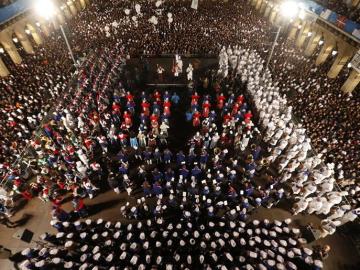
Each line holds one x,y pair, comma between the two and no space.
355,61
325,14
14,9
195,4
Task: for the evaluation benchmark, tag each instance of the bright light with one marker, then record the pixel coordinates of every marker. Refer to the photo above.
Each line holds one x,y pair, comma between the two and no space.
334,52
45,8
309,34
302,14
289,9
321,42
15,40
2,50
349,65
27,31
37,24
299,26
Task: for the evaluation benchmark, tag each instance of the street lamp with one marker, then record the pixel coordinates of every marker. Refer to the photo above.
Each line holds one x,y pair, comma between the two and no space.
288,10
47,10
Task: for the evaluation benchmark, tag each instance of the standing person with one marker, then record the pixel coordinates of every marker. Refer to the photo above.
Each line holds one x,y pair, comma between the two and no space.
133,141
113,182
179,63
189,72
160,71
175,98
79,206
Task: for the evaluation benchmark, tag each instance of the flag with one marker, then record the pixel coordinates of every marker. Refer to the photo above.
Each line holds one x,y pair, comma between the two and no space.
325,14
341,21
356,33
195,4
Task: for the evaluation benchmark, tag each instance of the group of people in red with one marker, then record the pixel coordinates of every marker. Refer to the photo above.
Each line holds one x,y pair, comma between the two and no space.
228,108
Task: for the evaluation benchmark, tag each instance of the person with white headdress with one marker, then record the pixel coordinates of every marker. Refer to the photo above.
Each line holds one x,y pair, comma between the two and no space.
189,72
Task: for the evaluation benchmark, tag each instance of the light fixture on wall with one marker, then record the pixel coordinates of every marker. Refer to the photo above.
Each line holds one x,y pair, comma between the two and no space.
349,65
15,40
2,50
334,52
289,9
27,31
309,34
47,10
321,42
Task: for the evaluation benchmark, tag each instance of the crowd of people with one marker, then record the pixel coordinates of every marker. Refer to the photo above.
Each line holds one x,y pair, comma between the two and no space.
194,241
310,180
140,36
241,150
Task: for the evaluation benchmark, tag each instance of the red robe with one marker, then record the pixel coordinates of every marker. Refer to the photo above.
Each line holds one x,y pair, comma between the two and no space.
220,102
206,109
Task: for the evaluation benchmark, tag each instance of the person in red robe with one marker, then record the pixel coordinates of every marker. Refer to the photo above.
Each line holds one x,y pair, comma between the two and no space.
167,106
196,118
145,107
235,109
248,115
157,97
227,118
127,119
129,97
240,100
116,108
206,109
220,101
195,97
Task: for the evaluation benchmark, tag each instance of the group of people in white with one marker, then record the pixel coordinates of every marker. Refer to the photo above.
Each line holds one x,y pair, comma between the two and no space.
311,182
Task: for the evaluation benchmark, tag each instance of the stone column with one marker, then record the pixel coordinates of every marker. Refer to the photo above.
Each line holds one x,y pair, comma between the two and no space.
325,51
83,4
77,5
65,9
45,28
3,69
355,3
273,15
60,18
312,44
294,27
10,48
258,4
267,11
34,33
72,8
341,59
23,38
305,29
263,7
351,82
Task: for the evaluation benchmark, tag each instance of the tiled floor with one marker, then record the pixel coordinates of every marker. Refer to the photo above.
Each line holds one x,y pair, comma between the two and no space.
343,255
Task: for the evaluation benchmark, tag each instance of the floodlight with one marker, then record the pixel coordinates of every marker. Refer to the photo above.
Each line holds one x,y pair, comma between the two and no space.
289,9
45,8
